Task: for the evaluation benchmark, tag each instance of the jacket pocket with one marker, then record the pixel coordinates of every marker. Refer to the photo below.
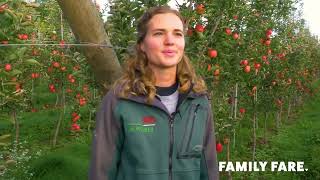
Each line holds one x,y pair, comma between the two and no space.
191,145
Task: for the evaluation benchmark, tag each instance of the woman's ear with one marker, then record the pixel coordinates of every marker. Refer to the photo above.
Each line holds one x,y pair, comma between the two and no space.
142,48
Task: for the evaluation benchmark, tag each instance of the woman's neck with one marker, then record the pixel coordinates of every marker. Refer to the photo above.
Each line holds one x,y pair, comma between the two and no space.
165,78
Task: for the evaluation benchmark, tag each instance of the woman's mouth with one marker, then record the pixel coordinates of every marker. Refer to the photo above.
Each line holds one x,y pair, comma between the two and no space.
169,53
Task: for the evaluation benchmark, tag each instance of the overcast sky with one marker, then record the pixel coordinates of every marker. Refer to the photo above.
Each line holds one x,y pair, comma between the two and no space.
311,13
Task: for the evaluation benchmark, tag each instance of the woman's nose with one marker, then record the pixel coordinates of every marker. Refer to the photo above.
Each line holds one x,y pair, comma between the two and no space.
169,39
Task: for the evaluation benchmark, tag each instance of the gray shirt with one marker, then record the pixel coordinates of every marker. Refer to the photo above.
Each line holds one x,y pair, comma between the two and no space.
170,101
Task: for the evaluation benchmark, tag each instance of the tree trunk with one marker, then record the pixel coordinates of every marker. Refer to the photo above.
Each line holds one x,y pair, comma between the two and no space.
255,98
289,110
265,127
254,136
61,117
16,124
228,160
87,27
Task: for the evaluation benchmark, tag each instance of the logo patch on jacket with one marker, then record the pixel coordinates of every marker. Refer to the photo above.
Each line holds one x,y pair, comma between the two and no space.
146,126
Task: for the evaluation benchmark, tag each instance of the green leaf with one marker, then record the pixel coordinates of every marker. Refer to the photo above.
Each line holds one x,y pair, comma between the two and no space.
5,136
21,52
32,62
9,83
27,23
12,15
3,35
4,144
15,72
12,57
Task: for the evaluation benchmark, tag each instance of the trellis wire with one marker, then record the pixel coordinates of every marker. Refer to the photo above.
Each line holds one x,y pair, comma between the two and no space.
64,45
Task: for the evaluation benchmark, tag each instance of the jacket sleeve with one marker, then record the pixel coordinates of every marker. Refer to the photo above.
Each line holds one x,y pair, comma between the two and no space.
209,163
107,141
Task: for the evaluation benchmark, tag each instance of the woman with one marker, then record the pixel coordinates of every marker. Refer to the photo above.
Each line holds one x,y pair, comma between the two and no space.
156,123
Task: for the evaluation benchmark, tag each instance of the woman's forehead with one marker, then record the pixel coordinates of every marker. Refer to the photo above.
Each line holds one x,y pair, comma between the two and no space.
165,21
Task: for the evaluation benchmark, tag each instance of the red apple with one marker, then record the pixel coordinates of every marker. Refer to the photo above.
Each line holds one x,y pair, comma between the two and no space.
269,32
75,118
246,69
82,101
55,52
68,90
56,64
7,67
257,65
189,32
35,75
228,31
242,110
235,36
20,36
63,68
209,67
25,36
76,68
219,147
216,72
72,80
264,58
85,88
244,62
62,43
18,87
200,9
254,88
267,42
212,53
75,127
278,102
199,28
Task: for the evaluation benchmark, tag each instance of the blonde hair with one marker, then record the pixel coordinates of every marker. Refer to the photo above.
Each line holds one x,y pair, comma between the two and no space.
139,79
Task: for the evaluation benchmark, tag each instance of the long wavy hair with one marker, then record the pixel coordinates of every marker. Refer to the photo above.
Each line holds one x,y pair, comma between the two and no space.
139,79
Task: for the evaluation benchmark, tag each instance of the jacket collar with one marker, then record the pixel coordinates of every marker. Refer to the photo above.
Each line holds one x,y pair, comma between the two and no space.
157,103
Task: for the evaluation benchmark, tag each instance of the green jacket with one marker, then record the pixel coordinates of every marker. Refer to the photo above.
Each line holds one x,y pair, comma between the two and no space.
134,140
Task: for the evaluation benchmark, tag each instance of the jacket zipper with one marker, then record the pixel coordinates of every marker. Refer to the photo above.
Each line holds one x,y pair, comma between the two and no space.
171,118
192,126
171,147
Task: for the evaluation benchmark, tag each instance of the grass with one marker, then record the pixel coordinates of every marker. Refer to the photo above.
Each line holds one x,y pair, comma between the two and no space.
35,154
299,141
69,162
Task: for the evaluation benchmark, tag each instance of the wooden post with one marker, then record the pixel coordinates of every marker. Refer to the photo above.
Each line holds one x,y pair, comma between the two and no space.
235,113
289,109
254,125
54,141
61,25
16,124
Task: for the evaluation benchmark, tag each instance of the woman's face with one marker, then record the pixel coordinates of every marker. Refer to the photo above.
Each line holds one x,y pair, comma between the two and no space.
164,42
